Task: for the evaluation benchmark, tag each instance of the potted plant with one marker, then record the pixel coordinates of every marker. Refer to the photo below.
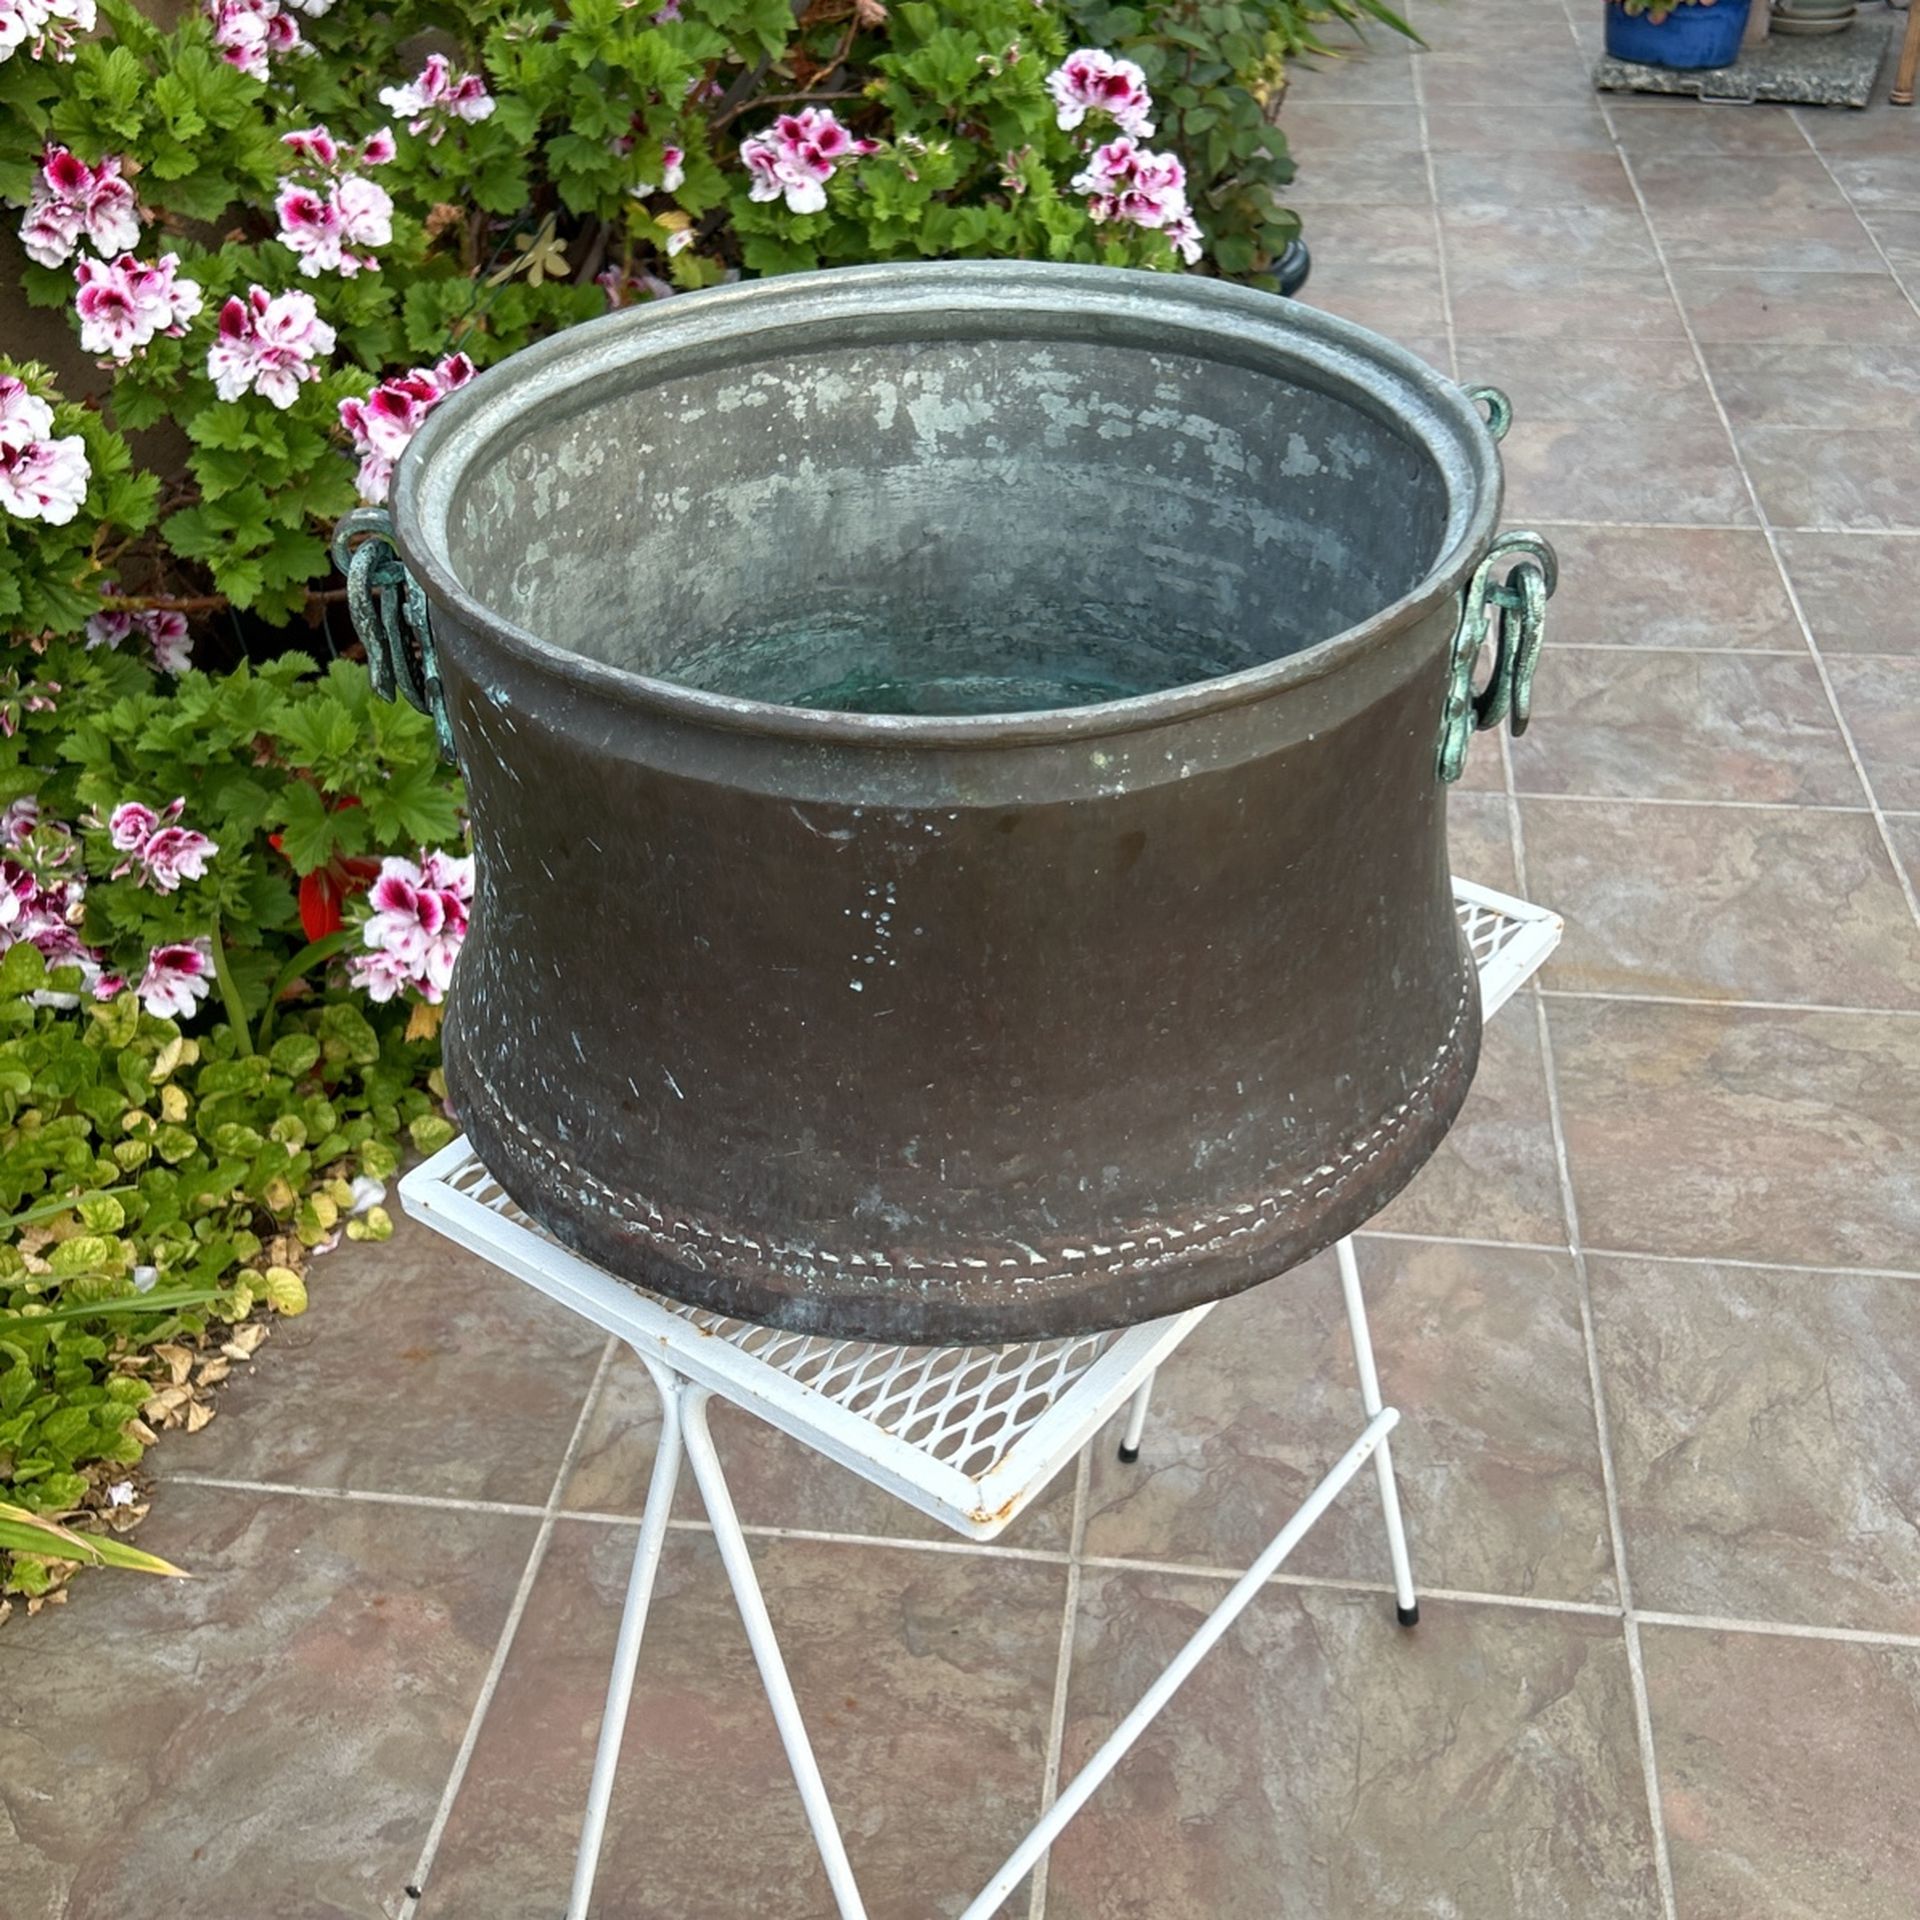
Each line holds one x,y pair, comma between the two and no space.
1689,34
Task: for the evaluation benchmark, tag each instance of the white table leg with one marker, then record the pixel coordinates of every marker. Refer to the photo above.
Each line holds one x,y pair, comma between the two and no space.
633,1623
1406,1602
1136,1421
766,1652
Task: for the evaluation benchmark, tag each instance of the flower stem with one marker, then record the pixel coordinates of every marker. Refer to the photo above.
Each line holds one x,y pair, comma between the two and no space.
229,993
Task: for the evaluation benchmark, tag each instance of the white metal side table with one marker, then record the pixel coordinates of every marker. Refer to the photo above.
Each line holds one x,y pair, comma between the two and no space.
969,1435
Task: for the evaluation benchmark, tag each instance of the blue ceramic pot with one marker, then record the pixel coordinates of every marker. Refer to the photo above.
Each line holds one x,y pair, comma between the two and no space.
1690,37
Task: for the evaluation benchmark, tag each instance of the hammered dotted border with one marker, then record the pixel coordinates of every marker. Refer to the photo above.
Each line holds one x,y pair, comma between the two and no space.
693,1241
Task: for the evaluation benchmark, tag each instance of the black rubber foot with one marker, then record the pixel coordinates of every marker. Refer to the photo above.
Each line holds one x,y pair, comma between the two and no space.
1293,267
1408,1616
1129,1454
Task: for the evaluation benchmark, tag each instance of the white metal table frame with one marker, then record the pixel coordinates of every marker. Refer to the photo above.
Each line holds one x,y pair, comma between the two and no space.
970,1435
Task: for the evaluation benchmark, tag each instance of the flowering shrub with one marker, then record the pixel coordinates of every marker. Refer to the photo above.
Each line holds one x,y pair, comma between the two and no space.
159,1192
212,1046
286,229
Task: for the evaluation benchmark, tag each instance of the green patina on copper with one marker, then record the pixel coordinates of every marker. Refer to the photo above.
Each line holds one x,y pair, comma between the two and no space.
386,602
1512,611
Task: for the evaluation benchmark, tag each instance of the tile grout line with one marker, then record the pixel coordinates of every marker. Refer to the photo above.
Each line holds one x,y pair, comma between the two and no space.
1603,1437
1063,1667
1128,1563
1417,81
439,1503
1901,877
423,1866
1727,1005
1658,800
1853,207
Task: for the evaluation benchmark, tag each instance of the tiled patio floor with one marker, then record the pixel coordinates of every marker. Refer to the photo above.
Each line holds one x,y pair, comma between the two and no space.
1670,1664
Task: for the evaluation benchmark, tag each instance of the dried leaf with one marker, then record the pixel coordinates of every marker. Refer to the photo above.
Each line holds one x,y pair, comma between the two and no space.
198,1415
213,1371
139,1430
164,1403
243,1342
178,1359
424,1021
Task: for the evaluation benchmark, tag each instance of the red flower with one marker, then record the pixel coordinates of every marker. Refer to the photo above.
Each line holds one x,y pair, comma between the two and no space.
326,890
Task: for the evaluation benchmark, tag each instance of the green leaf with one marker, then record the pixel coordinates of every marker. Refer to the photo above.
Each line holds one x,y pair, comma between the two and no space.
22,1531
23,969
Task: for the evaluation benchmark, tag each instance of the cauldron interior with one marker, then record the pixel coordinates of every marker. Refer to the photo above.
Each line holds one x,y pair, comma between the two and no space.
949,524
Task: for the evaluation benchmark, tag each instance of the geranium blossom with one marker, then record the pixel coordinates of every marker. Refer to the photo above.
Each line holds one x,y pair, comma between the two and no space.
129,824
169,646
1124,182
42,476
178,977
268,343
418,922
247,31
124,303
391,415
1093,81
437,96
44,25
18,822
673,162
323,225
334,211
42,906
798,155
160,852
71,200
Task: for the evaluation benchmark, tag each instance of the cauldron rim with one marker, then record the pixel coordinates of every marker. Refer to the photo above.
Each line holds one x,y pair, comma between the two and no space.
1439,414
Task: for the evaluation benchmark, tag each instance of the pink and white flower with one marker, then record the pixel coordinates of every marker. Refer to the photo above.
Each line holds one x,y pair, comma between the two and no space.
383,423
123,304
268,344
437,96
624,288
1093,81
415,931
43,26
673,162
42,476
174,854
1124,182
169,645
42,906
1184,236
129,824
324,225
798,155
164,630
70,201
18,822
248,31
178,977
160,852
313,143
